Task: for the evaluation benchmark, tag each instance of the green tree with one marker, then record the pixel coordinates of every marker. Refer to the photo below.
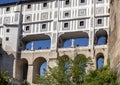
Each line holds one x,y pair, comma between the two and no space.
102,76
78,69
73,72
59,75
67,72
24,82
4,78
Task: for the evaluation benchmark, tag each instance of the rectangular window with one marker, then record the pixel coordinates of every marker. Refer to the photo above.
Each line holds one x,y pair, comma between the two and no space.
7,38
82,1
67,2
44,4
28,18
81,23
7,30
65,25
27,28
99,21
66,14
7,9
43,26
29,6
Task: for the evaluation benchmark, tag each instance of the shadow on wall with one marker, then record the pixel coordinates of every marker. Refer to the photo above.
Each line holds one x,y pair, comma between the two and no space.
6,62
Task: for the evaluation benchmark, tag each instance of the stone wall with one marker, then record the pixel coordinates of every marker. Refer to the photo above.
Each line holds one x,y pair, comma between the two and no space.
114,40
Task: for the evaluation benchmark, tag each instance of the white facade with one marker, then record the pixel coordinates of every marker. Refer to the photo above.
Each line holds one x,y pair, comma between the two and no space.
57,20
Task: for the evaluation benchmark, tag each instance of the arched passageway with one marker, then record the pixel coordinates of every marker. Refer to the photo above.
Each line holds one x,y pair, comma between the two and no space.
99,60
39,66
80,61
79,67
64,63
73,39
101,37
23,69
37,42
43,69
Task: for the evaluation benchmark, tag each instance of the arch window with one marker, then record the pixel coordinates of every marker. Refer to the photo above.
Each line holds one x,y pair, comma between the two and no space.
101,37
100,60
73,39
39,67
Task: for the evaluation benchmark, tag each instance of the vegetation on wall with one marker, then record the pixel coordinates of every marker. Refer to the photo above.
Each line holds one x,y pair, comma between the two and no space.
4,78
73,72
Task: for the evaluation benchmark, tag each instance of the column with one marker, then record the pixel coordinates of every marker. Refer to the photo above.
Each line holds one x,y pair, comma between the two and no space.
30,74
72,45
54,41
32,46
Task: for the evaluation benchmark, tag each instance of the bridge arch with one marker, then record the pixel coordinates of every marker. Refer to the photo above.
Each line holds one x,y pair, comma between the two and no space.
37,63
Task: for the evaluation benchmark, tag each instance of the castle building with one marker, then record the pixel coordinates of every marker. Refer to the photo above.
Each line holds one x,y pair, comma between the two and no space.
25,21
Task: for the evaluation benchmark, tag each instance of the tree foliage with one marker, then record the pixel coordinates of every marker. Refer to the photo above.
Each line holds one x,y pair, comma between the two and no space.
73,72
25,82
4,78
102,76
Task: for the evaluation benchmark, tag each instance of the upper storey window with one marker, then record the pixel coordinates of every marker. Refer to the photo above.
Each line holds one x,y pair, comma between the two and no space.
7,30
67,2
81,23
45,4
82,1
99,21
43,26
7,9
100,1
67,14
28,17
27,28
29,6
65,25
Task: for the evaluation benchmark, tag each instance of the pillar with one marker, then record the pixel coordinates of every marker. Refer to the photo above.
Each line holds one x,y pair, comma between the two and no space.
30,74
72,45
32,46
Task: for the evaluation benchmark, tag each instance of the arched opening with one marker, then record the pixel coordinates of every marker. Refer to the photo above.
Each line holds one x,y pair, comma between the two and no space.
64,64
43,69
39,67
67,43
81,42
79,67
73,39
80,61
100,60
37,42
24,69
101,37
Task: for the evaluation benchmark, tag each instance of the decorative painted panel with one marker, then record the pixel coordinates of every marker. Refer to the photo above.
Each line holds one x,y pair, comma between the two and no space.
44,16
6,20
81,12
100,10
